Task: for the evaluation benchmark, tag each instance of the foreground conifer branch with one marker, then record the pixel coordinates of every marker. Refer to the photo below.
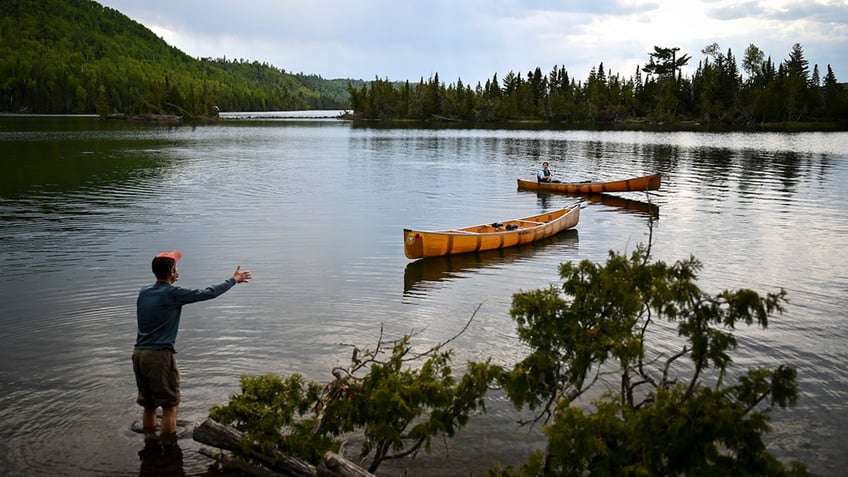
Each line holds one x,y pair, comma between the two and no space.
619,396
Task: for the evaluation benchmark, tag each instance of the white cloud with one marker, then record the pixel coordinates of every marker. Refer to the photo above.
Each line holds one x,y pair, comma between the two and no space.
475,39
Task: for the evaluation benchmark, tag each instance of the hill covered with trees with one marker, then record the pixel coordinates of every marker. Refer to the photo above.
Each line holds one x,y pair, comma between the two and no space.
77,56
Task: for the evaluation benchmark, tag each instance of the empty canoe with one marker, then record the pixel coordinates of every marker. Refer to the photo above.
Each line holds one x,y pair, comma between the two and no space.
651,182
479,238
423,274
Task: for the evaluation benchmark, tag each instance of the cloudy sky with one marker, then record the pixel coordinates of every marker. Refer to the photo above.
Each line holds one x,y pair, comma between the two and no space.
472,40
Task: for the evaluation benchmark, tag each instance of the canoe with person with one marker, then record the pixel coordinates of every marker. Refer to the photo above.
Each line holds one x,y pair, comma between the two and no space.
479,238
636,184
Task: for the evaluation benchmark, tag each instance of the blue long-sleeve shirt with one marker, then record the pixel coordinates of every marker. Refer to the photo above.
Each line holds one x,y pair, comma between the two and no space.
158,310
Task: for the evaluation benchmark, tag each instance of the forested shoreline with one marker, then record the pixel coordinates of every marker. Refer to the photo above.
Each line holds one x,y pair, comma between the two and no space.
79,57
718,94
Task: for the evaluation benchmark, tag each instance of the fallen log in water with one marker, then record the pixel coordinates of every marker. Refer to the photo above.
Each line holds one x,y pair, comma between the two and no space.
334,465
225,437
230,463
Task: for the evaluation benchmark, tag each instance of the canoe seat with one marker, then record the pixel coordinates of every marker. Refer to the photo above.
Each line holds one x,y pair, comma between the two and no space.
532,222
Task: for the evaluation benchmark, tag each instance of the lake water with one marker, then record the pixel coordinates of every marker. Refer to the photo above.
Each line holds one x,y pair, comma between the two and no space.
315,209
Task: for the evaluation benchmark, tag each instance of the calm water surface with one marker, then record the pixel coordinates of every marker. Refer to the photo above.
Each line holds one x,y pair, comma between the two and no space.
315,209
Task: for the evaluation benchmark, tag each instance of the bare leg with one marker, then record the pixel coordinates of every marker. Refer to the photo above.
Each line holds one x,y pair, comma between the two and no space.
148,423
148,419
169,421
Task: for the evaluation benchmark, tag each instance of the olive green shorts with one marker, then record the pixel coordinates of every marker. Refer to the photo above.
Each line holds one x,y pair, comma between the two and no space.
156,377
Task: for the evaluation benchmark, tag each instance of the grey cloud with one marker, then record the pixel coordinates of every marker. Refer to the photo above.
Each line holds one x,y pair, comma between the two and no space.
468,39
820,13
737,11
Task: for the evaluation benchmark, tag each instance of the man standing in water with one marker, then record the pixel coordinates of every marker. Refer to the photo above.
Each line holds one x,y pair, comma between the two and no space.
158,313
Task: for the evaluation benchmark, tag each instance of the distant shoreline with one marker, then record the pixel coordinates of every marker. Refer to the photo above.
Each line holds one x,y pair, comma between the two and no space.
342,114
303,114
239,115
40,115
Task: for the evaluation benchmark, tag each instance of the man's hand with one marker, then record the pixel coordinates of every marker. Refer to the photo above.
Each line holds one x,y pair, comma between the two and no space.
241,276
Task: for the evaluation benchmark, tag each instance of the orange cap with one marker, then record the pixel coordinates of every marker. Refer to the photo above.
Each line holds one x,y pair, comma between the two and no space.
176,255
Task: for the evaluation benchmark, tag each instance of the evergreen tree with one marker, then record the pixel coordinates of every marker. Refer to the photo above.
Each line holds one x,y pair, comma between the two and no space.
796,84
835,96
657,415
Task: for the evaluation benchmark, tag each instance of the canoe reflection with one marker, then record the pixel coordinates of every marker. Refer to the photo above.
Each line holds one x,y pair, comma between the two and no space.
547,200
422,273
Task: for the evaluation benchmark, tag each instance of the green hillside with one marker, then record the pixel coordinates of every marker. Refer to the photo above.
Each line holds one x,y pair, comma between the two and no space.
77,56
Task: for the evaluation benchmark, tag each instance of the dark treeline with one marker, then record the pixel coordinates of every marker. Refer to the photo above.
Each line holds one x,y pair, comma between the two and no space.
717,94
77,56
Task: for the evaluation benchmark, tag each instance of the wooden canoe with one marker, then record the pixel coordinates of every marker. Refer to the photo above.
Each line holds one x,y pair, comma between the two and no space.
423,274
651,182
479,238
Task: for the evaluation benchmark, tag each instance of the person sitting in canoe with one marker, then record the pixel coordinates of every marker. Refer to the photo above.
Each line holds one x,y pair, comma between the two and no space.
544,174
